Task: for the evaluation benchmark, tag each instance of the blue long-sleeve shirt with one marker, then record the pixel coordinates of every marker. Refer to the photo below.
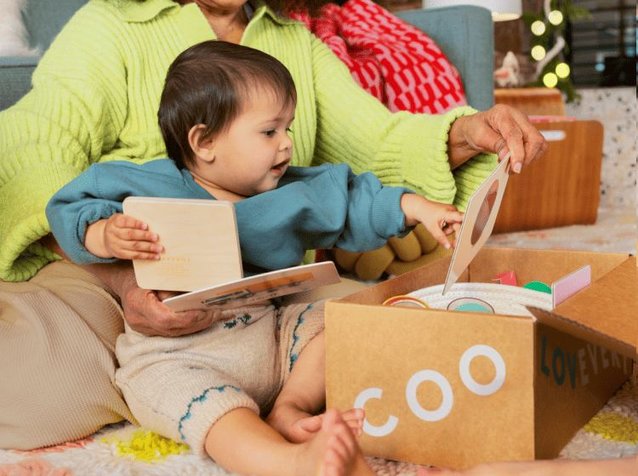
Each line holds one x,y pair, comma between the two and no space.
312,207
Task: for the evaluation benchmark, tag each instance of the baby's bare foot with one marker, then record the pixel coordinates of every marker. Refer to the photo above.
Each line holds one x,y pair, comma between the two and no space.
332,451
293,423
354,419
298,426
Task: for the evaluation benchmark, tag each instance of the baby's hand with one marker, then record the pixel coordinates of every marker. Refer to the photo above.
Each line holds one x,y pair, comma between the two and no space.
440,219
121,236
126,237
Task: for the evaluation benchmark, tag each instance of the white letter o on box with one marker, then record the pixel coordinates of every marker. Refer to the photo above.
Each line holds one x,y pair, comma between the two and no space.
495,358
448,397
372,430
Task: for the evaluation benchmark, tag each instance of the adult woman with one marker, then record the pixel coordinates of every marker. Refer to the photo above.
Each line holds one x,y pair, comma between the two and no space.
95,98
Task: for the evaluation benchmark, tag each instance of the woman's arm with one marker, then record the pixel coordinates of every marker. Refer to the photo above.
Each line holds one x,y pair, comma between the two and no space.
414,150
51,135
143,308
353,127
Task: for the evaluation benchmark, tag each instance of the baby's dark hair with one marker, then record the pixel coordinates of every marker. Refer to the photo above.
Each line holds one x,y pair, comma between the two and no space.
210,83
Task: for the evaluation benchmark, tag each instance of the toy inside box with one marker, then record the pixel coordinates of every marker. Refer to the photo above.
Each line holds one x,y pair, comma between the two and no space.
457,388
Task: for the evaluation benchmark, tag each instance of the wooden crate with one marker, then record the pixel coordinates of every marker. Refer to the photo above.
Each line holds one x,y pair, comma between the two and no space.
560,188
532,101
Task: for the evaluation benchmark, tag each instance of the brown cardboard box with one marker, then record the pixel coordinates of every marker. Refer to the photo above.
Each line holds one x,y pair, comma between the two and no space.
424,375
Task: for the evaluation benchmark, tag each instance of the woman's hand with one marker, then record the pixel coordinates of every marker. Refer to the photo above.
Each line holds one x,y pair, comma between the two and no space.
143,309
145,313
500,129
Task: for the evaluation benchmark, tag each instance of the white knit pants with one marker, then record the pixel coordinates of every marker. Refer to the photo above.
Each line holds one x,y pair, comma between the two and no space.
180,386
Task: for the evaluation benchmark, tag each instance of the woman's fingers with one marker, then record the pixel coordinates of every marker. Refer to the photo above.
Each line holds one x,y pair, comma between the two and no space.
517,136
504,130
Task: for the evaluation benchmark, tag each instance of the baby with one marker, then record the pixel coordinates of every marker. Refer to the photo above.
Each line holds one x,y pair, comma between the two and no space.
226,114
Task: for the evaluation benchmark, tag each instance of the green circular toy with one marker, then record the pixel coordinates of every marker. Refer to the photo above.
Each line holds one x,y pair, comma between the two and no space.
538,286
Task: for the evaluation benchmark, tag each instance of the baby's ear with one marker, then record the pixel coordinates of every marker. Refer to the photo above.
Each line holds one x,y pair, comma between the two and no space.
203,147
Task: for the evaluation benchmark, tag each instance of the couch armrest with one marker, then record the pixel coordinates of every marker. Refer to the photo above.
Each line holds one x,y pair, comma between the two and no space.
465,33
15,78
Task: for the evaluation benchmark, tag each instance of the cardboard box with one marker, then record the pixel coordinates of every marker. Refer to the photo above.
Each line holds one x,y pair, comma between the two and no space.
429,379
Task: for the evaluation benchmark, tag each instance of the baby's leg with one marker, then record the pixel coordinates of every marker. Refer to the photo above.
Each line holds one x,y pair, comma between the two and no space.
241,442
304,395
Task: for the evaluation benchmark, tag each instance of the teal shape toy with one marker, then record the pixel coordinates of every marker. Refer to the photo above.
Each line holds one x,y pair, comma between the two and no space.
538,286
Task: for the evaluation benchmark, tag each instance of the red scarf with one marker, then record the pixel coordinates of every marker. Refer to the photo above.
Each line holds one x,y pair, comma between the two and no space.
391,59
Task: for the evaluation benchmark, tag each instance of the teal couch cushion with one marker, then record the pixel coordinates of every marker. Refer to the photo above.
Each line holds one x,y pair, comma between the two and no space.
465,33
44,19
15,78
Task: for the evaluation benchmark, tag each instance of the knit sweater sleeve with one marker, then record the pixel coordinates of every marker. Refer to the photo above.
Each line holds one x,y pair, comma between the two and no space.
80,203
98,193
318,207
400,148
74,111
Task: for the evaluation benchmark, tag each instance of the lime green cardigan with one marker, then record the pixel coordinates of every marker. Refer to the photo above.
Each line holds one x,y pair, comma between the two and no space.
95,97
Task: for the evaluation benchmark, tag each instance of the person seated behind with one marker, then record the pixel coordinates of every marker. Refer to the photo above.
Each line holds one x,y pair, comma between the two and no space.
95,98
225,115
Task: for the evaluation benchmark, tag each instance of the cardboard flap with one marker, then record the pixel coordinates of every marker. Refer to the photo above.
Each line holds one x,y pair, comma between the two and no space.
605,313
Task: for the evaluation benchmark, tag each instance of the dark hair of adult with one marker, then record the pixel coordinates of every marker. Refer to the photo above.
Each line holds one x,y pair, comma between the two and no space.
286,6
210,83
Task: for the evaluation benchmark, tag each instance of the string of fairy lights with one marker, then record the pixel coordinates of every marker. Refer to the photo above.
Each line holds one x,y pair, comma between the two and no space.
550,69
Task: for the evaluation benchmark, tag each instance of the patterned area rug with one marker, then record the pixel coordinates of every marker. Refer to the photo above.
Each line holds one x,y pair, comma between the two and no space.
125,450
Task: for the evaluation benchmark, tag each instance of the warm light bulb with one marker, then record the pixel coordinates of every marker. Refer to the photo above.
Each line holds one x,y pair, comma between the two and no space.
538,28
555,17
538,52
562,70
550,80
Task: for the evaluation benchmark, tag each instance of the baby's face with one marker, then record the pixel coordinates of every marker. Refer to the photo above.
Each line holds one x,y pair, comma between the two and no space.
255,151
